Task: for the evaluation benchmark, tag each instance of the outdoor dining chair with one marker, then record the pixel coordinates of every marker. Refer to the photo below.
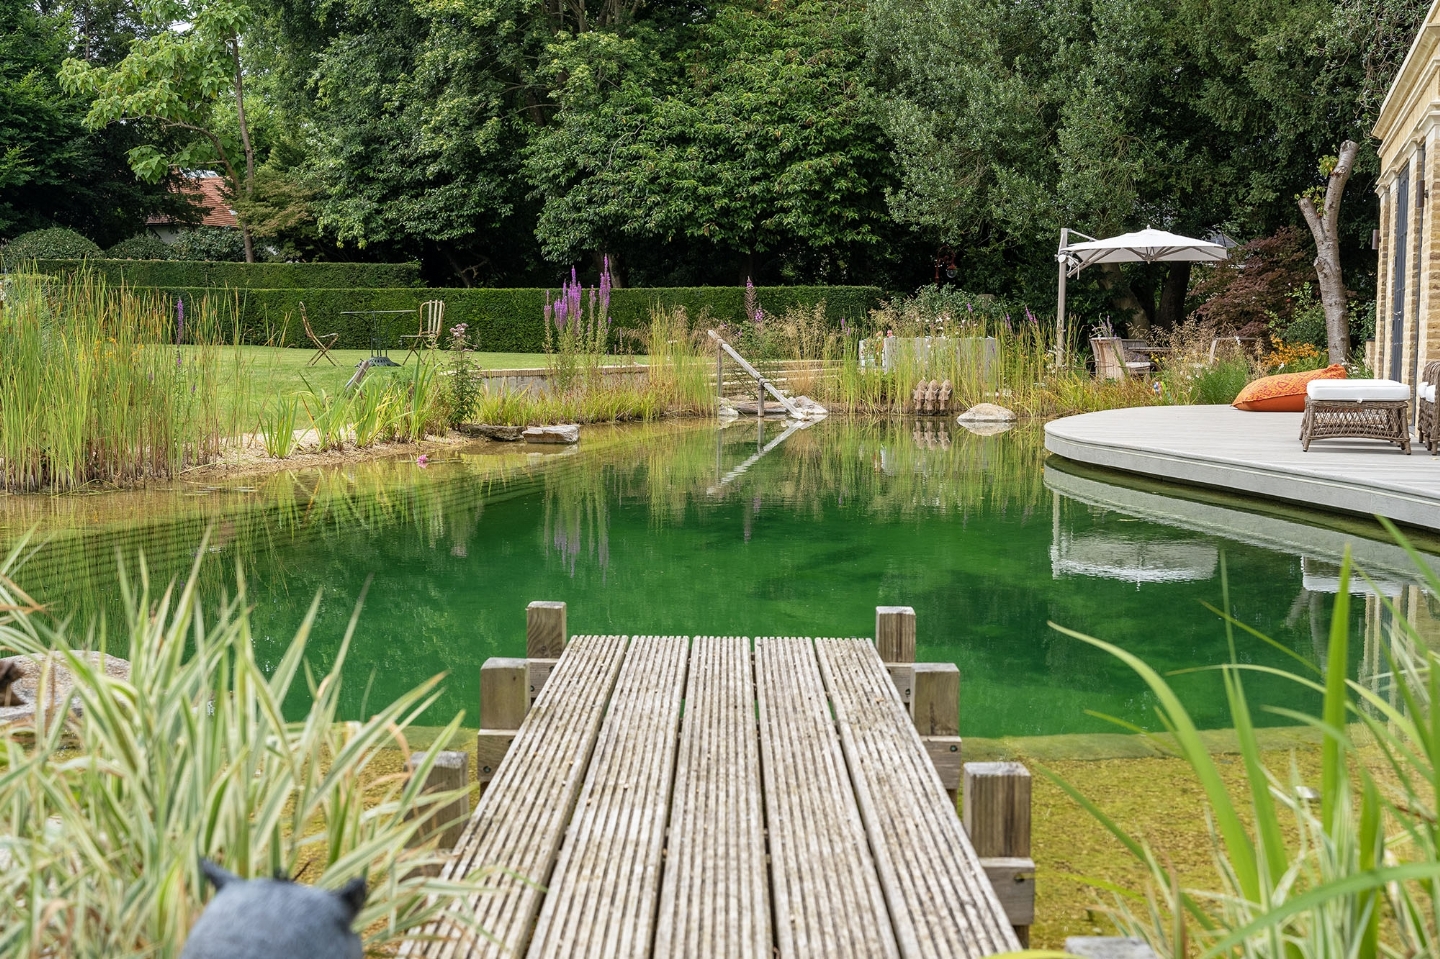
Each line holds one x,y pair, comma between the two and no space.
322,343
1113,361
432,314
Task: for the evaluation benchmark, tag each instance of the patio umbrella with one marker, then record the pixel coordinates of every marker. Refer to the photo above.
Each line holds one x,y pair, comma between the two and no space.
1142,246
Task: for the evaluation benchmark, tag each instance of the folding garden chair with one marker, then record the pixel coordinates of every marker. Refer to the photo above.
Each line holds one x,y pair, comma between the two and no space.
432,314
322,343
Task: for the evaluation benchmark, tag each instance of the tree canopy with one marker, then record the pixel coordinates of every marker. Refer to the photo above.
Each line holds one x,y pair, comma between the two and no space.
706,141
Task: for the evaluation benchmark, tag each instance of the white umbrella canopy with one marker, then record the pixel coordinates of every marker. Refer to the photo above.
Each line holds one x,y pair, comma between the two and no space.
1142,246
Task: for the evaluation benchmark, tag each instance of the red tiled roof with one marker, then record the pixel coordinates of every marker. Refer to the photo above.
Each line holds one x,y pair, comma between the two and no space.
209,193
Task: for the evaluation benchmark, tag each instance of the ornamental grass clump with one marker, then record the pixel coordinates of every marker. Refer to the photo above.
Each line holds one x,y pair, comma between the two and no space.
93,389
1347,867
105,814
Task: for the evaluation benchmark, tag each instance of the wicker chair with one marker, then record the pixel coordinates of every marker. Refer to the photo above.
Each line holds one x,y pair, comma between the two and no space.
1427,410
1114,360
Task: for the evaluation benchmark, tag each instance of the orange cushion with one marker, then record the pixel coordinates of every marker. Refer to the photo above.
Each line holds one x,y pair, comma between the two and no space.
1283,392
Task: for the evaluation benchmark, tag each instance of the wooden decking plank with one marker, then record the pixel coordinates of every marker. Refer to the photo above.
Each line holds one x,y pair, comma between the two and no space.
828,900
606,882
522,817
715,897
941,903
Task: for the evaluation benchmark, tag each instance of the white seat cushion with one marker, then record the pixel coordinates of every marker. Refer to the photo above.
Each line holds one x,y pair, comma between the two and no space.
1427,392
1357,390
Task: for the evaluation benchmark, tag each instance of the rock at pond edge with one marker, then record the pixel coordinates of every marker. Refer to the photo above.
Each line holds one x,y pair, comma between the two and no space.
986,413
504,434
568,433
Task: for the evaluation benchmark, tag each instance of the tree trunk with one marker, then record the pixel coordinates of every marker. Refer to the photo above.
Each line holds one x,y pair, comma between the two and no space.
1172,295
1325,228
1124,300
249,188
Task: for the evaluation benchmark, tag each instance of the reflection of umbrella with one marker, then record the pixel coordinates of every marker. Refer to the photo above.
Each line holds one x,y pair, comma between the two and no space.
1143,246
1133,561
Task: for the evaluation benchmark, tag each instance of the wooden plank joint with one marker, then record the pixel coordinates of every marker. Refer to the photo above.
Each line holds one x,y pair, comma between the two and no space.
1014,880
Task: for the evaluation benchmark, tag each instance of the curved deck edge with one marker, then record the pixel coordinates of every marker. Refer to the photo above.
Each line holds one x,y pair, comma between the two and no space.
1257,454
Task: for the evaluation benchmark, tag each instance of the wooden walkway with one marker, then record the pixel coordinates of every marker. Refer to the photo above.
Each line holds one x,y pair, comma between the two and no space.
674,797
1257,454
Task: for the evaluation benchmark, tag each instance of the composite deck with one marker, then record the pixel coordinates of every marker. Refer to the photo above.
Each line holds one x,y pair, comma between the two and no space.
1257,454
668,797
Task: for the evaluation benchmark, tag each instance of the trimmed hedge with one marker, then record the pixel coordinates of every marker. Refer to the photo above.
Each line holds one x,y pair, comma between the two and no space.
244,276
504,320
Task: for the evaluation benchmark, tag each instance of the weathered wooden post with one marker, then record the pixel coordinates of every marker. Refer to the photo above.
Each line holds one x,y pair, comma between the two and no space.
935,708
504,701
545,630
895,641
509,686
451,771
997,817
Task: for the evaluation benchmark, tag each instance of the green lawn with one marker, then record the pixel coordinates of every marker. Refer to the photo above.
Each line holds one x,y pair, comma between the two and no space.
254,374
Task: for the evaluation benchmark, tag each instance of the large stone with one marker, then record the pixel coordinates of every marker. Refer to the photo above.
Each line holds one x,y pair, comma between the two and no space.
986,413
505,434
568,433
59,687
809,409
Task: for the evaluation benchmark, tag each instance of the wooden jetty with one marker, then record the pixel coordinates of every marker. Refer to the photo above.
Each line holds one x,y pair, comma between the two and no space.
669,796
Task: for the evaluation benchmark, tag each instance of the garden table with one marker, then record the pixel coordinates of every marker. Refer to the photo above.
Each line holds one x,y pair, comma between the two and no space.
379,349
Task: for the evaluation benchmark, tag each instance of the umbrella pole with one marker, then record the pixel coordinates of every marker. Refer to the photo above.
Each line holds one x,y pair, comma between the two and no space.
1060,309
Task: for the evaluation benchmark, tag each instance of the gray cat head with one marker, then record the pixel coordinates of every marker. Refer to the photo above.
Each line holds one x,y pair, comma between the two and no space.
273,918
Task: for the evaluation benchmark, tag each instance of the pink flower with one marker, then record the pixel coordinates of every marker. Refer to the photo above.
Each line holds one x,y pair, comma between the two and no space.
422,461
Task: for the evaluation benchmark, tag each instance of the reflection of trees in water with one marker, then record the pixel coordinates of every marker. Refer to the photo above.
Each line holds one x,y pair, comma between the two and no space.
577,514
835,466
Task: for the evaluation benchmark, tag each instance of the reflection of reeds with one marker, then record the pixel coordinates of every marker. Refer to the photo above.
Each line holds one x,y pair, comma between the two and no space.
93,389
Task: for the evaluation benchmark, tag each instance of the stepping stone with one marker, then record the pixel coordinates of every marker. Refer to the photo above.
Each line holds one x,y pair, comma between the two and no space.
505,434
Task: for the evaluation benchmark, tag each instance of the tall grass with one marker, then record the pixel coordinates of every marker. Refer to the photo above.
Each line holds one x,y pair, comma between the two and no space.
93,389
676,379
1351,869
103,818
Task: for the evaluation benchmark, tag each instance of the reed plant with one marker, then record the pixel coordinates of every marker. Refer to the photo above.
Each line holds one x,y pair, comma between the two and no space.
989,355
93,387
1346,867
105,814
277,426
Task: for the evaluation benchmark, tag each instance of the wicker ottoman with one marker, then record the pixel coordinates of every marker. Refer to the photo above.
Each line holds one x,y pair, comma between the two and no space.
1366,409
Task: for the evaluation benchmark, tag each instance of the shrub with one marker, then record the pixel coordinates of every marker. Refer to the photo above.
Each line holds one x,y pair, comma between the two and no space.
54,243
210,243
142,246
497,320
245,276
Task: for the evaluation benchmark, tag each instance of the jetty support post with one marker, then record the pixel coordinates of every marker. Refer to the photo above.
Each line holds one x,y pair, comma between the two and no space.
450,771
935,709
997,818
895,641
508,686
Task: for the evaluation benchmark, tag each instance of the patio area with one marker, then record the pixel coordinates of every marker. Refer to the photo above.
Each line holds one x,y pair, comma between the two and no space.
1258,454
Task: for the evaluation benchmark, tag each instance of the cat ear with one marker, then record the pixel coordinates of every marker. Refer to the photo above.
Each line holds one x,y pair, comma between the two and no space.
352,896
220,878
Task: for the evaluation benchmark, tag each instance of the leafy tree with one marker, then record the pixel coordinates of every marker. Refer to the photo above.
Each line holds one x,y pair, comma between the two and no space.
752,136
1012,120
187,76
53,170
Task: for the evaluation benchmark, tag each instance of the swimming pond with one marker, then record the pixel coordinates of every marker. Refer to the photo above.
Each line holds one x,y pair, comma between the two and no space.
753,530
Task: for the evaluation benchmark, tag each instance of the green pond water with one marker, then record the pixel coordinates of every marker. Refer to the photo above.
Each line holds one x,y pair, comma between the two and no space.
693,529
